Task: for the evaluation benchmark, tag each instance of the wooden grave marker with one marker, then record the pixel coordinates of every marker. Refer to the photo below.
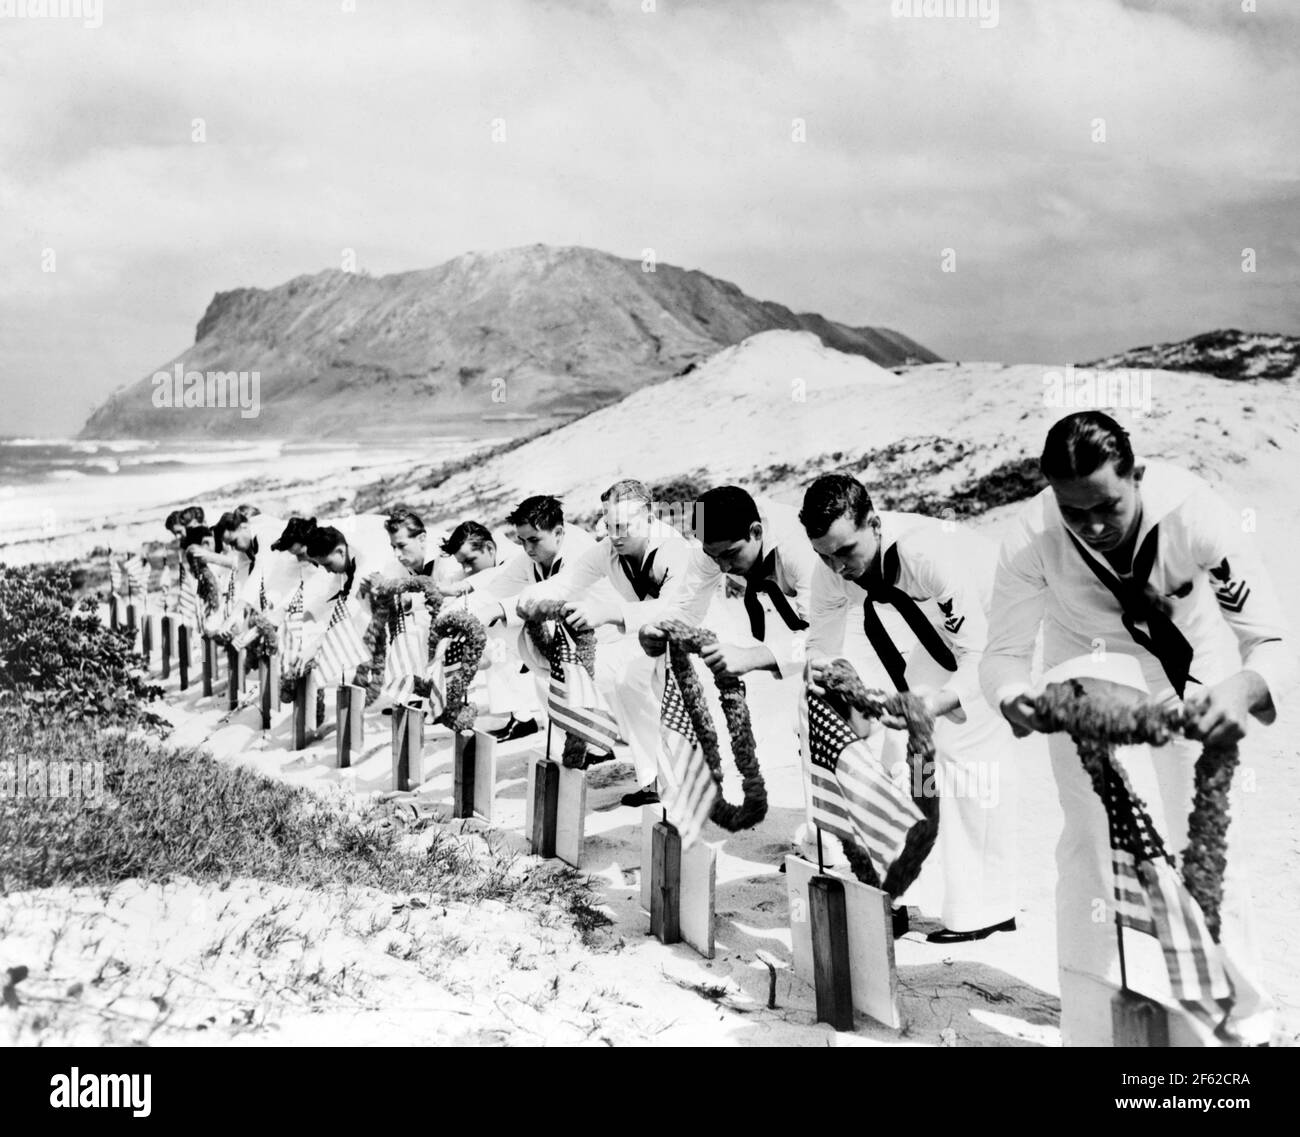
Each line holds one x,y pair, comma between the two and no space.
146,638
867,918
235,672
183,654
475,775
112,613
304,708
350,715
697,882
209,664
268,683
408,746
556,810
165,645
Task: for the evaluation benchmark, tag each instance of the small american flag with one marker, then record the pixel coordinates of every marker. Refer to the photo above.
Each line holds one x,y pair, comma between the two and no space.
689,790
1150,897
573,702
341,651
187,596
407,657
293,629
852,796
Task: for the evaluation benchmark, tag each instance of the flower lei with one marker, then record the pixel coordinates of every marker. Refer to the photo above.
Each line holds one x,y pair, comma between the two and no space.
1098,724
548,646
731,692
842,682
465,630
205,581
267,642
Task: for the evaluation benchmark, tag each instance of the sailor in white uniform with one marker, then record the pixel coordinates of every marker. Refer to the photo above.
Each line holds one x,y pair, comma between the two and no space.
549,546
937,577
644,561
1145,559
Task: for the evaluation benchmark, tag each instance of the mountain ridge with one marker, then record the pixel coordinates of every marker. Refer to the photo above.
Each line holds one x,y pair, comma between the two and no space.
532,330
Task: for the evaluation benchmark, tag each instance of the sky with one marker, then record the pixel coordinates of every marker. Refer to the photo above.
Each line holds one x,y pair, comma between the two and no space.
834,157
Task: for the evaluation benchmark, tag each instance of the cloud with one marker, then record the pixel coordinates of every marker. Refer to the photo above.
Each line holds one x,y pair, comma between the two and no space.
673,129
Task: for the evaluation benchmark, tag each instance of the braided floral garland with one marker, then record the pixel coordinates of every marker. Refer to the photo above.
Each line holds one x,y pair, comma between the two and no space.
205,581
267,642
457,624
843,683
548,645
1098,724
731,693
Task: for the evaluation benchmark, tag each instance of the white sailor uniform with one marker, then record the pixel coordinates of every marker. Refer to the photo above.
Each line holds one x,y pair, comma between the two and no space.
1194,576
933,580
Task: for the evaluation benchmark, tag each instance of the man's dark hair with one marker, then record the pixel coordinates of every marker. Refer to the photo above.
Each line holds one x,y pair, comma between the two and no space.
228,521
541,512
726,513
246,511
297,531
403,517
195,535
469,533
323,540
173,519
191,515
1081,443
627,489
829,498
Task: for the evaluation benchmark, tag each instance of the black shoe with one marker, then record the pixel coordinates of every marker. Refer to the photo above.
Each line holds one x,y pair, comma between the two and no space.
646,796
515,729
902,922
943,936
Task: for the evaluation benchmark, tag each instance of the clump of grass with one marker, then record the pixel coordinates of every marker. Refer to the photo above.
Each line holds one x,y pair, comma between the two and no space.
166,812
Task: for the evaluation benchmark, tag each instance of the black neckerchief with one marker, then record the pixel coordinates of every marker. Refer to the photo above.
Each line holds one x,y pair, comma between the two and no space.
881,584
1162,638
762,579
642,578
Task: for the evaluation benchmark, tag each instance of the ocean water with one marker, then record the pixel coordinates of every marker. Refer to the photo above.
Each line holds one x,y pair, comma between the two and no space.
50,488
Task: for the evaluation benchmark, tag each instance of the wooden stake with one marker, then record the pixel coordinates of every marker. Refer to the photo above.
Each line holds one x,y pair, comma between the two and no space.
666,883
349,714
268,678
235,670
209,665
112,612
408,746
166,646
1138,1021
466,746
830,942
303,693
146,637
183,654
130,617
546,806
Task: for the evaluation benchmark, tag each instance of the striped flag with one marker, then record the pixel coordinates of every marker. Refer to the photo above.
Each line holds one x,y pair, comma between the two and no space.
137,577
446,662
341,651
573,702
187,596
1150,897
407,657
688,790
852,796
293,630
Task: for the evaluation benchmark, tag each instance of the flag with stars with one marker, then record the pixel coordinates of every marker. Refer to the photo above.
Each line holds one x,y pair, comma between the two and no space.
852,796
341,650
687,788
573,702
1150,897
407,656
